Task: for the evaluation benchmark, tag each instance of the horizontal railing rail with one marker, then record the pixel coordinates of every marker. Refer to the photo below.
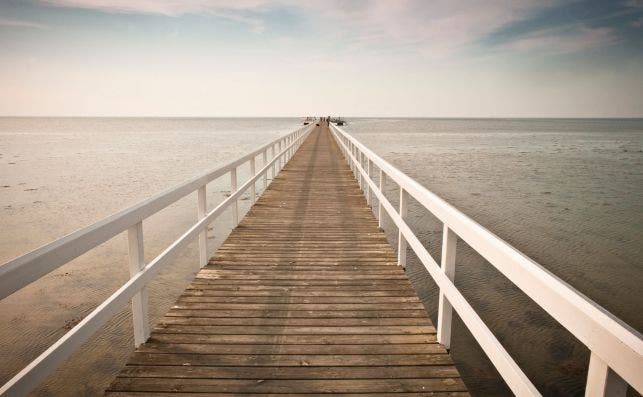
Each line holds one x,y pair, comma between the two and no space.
23,270
616,349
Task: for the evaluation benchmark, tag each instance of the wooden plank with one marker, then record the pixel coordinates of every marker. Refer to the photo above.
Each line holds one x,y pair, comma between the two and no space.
202,303
338,386
289,372
417,351
193,318
312,339
304,297
302,313
184,394
292,329
202,297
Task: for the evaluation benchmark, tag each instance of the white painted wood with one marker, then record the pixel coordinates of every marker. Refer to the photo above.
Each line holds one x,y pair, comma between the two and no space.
356,154
602,381
235,205
202,209
139,300
445,311
360,160
281,160
379,203
265,174
272,155
610,339
253,188
401,240
369,172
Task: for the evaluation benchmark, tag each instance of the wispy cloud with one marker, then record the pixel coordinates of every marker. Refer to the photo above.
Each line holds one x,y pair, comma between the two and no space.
162,7
17,23
236,11
435,28
572,39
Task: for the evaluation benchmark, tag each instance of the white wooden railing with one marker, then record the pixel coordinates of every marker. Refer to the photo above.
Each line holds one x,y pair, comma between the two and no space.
23,270
616,349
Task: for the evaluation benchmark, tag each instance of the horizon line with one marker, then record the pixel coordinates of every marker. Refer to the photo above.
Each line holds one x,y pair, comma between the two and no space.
345,117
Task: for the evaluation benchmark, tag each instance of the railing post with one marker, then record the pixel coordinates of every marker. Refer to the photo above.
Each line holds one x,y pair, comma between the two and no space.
602,381
235,205
357,176
353,159
203,236
272,156
445,310
379,201
356,150
287,154
281,159
253,189
369,171
139,301
361,176
265,175
401,241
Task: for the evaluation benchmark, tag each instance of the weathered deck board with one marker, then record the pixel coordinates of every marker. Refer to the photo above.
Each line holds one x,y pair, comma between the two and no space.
304,297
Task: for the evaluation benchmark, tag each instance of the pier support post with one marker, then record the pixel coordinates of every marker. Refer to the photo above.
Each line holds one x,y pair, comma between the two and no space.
362,182
203,236
290,149
281,157
401,241
272,156
379,201
369,172
139,301
265,175
253,188
445,310
352,161
356,170
235,205
355,155
602,381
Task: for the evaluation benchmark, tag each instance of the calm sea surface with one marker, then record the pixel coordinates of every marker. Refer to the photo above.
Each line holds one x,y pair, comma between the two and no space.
568,193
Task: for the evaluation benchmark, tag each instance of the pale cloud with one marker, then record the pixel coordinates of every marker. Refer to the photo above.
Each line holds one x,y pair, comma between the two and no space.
228,9
436,29
438,24
576,38
162,7
16,23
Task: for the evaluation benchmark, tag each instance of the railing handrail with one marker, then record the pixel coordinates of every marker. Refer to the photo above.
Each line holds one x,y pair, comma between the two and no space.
20,271
56,354
615,343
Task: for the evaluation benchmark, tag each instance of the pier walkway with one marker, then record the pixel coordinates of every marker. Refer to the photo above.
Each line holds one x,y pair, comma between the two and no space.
305,296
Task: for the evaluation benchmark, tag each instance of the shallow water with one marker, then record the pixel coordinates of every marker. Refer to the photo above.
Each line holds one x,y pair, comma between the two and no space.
568,193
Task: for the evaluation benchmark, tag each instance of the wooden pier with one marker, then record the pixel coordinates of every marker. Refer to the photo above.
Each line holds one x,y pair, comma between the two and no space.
304,297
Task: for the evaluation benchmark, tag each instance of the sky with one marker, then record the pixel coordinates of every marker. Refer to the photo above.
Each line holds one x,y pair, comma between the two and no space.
382,58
